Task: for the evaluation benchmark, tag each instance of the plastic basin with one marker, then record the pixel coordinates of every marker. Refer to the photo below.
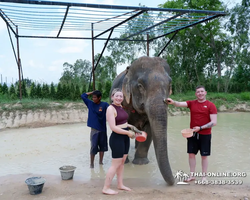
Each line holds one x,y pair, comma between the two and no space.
187,133
141,137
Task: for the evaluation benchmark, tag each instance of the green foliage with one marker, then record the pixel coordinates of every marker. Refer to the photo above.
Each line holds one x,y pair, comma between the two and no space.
39,91
78,73
245,96
52,91
108,85
5,89
77,94
12,92
100,86
33,91
45,91
1,89
84,89
72,91
66,92
59,92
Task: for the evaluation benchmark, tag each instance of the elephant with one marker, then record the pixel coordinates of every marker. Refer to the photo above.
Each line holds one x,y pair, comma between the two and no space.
145,85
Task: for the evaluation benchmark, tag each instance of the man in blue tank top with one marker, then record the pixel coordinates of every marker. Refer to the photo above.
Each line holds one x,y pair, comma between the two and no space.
97,123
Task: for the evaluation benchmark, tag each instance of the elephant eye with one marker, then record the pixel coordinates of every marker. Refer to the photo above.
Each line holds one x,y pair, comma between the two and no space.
141,88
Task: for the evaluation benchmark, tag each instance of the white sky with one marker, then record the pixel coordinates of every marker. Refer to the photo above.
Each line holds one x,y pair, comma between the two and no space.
42,59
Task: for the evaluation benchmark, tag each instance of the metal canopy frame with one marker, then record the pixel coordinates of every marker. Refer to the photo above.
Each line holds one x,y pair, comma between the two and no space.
37,19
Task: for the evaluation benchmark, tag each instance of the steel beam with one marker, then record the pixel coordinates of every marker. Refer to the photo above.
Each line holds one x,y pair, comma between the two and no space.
103,49
103,6
137,14
6,21
184,27
12,45
147,44
93,56
79,38
146,29
19,65
167,44
65,16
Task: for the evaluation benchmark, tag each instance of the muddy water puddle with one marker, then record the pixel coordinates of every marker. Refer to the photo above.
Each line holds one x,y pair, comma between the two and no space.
44,150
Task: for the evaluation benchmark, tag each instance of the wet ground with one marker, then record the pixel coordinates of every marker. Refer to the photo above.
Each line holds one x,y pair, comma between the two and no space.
44,150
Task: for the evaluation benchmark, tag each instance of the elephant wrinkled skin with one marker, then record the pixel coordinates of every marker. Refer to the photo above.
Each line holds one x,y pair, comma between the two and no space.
145,84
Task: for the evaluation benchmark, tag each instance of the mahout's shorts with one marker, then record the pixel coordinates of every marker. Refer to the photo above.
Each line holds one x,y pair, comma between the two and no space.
119,144
199,142
99,141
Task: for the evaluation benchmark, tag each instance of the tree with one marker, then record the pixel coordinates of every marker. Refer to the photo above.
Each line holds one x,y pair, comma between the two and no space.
238,27
77,93
200,49
12,92
105,70
33,91
127,51
72,91
5,89
23,88
78,73
1,89
39,91
59,92
108,85
45,91
52,91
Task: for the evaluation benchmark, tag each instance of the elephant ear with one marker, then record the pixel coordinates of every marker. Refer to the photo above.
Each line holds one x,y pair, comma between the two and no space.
126,86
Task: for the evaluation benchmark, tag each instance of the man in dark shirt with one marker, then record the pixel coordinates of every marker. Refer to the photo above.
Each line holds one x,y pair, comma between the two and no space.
97,123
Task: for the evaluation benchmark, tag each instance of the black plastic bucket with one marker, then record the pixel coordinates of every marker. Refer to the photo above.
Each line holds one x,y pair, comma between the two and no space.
35,184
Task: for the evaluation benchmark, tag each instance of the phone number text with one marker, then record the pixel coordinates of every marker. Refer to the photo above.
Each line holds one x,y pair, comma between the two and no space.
218,182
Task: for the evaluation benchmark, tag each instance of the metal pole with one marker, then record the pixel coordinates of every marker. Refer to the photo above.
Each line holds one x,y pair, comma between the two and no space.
93,56
18,63
147,44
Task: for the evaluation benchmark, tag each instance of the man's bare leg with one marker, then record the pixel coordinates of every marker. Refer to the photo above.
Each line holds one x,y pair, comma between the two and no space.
92,158
101,154
204,166
192,165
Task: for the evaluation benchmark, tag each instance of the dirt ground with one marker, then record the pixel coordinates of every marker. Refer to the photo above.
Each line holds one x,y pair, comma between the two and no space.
12,187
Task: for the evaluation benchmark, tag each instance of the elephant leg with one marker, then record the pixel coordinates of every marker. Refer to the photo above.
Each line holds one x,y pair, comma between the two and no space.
141,154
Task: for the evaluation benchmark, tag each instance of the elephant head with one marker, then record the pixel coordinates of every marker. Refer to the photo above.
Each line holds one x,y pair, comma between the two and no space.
145,85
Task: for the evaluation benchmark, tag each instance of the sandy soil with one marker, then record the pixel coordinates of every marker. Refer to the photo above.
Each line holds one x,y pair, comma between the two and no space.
12,187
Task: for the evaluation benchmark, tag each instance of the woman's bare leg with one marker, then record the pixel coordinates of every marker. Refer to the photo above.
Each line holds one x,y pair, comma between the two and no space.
110,175
119,173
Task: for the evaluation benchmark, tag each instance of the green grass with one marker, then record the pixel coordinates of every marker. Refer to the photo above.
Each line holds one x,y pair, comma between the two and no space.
32,104
219,99
227,99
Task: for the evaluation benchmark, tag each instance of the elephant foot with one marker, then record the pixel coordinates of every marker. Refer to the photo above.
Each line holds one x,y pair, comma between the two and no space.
127,160
140,161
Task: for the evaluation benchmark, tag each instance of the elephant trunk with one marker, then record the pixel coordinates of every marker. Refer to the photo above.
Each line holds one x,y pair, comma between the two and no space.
157,113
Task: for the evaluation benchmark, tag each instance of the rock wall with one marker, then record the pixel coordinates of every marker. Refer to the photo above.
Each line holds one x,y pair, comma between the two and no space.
39,118
70,114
